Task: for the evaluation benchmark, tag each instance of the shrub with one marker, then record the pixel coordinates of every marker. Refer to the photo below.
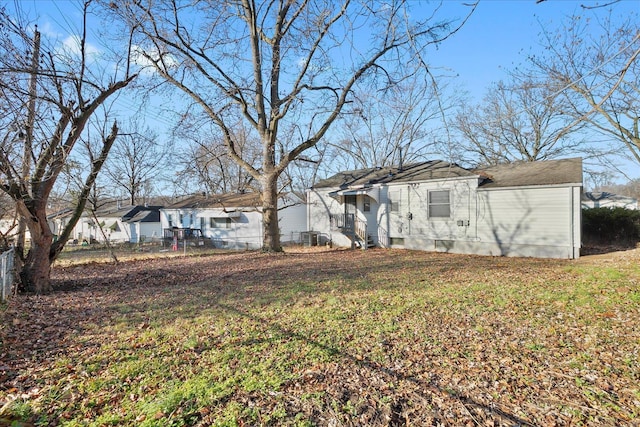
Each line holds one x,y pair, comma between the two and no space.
611,226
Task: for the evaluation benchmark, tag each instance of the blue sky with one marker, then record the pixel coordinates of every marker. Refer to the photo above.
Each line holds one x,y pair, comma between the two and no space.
497,37
501,33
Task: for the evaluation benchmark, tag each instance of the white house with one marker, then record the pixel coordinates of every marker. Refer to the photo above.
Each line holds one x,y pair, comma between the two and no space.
607,200
119,223
232,220
143,223
9,230
523,209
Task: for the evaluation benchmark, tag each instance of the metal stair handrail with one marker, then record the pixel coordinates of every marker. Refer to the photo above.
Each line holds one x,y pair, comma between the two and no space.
361,229
342,222
349,223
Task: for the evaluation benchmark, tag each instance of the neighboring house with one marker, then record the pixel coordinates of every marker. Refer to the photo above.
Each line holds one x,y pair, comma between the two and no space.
607,200
133,224
231,220
523,209
58,221
144,224
9,229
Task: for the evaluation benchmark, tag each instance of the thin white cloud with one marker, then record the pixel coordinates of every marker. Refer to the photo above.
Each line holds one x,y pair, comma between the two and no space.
47,30
72,45
143,58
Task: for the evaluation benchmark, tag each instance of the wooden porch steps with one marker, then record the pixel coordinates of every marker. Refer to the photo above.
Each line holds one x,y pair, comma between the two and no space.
354,228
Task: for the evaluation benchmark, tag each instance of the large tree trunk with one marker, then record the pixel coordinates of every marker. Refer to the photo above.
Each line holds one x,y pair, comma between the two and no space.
37,267
35,272
271,241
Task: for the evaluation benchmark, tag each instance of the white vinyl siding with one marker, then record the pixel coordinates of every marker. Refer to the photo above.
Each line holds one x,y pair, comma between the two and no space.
525,216
292,221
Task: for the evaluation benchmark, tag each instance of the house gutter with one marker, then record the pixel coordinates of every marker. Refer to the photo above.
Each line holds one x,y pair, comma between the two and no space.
529,187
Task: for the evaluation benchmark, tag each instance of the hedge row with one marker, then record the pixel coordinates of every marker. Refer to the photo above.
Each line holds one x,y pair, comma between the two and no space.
611,226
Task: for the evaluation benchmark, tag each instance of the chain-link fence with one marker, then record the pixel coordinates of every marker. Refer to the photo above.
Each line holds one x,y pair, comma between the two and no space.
6,272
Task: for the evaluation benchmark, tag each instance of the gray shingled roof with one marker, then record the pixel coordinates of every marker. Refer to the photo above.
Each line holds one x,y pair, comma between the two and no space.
435,169
548,172
145,215
229,200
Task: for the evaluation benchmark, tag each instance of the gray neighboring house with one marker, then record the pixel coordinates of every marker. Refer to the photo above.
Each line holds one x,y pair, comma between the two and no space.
607,200
520,209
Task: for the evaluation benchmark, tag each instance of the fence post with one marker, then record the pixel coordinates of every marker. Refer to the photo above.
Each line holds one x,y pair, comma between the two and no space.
4,277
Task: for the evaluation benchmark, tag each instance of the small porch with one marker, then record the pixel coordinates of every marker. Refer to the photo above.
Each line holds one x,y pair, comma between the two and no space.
354,228
170,236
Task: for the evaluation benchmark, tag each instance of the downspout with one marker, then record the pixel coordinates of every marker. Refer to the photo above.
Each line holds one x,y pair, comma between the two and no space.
408,205
575,253
475,237
571,222
466,228
308,227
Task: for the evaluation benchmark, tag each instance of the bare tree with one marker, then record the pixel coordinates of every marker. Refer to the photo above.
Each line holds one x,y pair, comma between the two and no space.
287,67
390,127
523,120
136,160
72,177
630,188
206,164
595,64
51,104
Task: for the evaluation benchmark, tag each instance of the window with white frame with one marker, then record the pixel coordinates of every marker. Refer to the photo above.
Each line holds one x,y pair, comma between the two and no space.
366,207
394,200
220,222
439,204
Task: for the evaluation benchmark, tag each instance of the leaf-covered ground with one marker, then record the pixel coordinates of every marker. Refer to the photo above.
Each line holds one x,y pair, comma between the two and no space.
380,337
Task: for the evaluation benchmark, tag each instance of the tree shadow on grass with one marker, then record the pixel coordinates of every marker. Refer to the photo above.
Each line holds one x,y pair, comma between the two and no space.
421,391
40,329
260,279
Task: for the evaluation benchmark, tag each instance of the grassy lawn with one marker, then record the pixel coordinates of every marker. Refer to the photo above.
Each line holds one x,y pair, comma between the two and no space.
380,337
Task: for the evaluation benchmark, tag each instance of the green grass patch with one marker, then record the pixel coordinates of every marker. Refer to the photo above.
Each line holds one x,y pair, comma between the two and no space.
348,338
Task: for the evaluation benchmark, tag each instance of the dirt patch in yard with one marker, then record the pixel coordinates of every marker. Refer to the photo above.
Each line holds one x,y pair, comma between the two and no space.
614,255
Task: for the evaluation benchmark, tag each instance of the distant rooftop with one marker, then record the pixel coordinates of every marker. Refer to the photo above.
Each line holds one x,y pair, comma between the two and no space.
228,200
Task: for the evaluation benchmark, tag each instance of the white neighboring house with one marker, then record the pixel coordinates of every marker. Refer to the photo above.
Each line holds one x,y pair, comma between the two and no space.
9,229
144,224
522,209
133,224
607,200
232,220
